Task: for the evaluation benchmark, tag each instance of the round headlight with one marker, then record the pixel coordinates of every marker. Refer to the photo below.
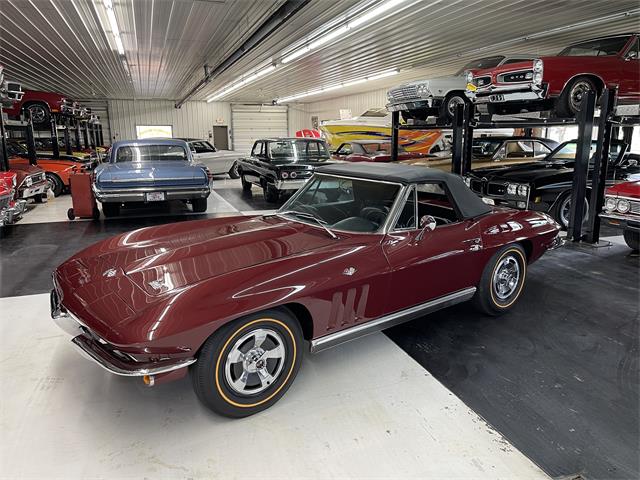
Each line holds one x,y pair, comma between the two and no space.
523,190
537,65
537,78
284,175
389,96
14,181
512,189
623,206
610,204
469,77
423,89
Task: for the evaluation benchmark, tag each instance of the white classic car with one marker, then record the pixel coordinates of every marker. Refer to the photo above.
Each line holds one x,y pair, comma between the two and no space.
440,95
217,161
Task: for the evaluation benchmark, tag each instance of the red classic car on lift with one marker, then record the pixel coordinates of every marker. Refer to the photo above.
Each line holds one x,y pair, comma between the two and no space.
372,151
359,248
42,105
559,82
622,210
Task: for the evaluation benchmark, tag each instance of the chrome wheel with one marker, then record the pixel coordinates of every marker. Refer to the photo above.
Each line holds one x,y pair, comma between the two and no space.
255,361
453,103
506,277
577,92
565,211
38,113
51,184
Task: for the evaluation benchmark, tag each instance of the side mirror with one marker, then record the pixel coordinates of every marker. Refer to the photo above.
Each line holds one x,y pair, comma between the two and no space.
632,55
427,224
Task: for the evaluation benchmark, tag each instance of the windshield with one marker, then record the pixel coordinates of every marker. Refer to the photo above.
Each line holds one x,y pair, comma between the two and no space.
485,148
351,205
567,151
14,148
481,63
298,150
596,48
149,153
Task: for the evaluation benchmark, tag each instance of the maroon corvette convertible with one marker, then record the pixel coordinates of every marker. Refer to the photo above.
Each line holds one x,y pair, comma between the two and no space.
359,248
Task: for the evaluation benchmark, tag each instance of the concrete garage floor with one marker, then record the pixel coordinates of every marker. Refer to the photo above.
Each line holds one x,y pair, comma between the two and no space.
558,377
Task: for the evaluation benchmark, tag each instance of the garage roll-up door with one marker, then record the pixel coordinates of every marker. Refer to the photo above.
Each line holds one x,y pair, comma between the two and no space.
253,122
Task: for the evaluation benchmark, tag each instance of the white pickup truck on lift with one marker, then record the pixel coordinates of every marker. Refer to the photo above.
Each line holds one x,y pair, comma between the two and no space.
217,161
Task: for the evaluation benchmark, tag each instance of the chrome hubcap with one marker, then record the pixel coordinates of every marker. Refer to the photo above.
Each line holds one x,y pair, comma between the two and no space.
577,92
453,103
506,277
565,210
255,361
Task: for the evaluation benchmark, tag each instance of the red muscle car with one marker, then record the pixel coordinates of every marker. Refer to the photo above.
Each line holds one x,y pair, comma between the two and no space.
10,208
559,82
622,210
42,105
359,248
31,181
372,151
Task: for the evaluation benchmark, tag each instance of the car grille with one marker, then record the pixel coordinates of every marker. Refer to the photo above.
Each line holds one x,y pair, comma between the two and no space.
38,177
476,186
405,93
635,207
516,77
496,189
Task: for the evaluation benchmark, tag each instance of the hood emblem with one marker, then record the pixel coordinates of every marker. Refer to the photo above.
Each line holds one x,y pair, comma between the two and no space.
157,284
109,273
349,271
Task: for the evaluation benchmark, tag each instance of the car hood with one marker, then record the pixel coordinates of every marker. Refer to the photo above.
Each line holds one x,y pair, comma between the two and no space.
524,172
626,189
163,171
169,257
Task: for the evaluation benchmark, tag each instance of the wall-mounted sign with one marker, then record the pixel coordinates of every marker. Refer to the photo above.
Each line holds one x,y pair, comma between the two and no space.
154,131
345,114
219,120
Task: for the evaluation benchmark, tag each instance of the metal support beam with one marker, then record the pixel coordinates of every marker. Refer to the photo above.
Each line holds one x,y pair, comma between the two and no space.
4,159
581,166
67,138
627,134
100,137
77,134
31,140
54,137
467,152
599,176
395,130
458,134
85,135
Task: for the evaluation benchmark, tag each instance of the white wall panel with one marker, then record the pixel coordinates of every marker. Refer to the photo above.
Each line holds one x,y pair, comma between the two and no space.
194,119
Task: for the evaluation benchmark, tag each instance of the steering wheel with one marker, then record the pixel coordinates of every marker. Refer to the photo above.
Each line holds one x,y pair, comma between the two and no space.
373,214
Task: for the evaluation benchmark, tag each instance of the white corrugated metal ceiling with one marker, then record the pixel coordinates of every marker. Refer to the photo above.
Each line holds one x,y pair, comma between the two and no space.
61,45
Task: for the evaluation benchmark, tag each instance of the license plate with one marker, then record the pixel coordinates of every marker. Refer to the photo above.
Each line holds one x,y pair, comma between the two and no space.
155,196
29,192
471,87
488,201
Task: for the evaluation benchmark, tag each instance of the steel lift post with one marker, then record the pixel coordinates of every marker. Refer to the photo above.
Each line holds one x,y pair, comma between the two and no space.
54,138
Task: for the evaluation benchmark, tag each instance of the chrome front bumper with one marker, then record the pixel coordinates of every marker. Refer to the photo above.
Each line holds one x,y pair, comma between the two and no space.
403,106
556,243
625,222
91,349
501,94
32,191
12,214
138,194
290,184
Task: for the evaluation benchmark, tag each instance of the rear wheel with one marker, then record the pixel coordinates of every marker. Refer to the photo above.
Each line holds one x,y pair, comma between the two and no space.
111,209
249,364
233,172
502,281
271,193
632,239
54,184
199,205
40,115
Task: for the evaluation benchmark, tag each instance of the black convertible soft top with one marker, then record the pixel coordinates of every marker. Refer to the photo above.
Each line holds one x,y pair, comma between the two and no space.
469,204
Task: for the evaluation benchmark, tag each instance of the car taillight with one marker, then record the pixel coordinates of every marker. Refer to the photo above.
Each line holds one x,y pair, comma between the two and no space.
284,175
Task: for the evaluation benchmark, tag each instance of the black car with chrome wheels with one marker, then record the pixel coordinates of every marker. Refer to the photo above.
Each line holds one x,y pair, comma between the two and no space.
546,185
280,166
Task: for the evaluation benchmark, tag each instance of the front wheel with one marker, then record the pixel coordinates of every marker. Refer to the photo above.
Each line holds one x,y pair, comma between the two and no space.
571,97
271,194
449,105
562,210
502,281
199,205
54,184
632,239
249,364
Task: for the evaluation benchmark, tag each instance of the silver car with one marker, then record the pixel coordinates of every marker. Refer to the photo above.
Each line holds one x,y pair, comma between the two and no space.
217,161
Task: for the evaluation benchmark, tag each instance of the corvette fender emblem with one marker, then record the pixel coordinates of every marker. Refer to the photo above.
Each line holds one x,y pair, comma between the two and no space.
349,271
157,284
109,273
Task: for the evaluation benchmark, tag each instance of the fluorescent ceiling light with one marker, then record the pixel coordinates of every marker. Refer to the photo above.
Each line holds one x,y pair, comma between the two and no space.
386,73
349,25
230,87
108,4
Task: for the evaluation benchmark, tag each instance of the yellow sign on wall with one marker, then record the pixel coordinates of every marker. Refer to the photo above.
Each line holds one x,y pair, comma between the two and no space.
154,131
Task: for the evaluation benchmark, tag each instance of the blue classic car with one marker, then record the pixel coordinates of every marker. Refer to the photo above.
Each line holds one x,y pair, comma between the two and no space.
150,170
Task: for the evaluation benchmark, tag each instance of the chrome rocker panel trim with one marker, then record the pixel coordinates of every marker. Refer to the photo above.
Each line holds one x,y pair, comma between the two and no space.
373,326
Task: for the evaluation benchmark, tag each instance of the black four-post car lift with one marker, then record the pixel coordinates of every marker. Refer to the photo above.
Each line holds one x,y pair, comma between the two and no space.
464,123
